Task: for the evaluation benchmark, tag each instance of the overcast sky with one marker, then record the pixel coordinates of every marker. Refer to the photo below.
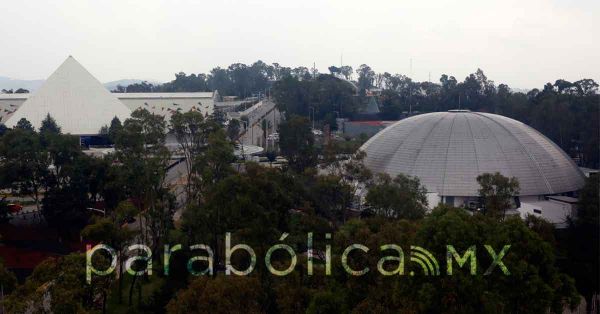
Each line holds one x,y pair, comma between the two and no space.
524,43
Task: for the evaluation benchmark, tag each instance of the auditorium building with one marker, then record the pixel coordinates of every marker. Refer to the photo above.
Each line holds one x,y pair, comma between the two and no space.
448,150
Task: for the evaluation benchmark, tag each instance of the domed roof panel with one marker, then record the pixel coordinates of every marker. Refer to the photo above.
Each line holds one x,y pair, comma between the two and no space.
448,150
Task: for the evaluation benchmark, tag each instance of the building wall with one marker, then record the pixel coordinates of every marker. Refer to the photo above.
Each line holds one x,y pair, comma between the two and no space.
170,103
554,212
8,105
433,199
264,110
164,104
458,201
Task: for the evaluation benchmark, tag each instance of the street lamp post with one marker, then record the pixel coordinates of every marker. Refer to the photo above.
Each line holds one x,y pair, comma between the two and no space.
246,125
337,115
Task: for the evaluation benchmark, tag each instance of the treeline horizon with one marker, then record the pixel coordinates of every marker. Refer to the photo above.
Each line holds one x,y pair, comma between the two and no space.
242,80
554,109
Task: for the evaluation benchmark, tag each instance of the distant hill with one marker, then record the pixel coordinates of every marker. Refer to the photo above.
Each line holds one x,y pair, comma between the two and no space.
32,85
8,83
112,85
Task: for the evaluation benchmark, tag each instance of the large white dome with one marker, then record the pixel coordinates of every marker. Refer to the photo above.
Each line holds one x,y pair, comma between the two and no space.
448,150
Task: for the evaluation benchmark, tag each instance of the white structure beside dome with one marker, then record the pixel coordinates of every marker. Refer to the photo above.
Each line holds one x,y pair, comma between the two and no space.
448,150
78,102
81,105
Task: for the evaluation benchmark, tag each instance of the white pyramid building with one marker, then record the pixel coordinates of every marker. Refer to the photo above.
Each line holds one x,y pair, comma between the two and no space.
78,102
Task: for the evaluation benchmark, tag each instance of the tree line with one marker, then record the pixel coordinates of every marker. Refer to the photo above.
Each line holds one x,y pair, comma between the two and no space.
238,79
257,204
553,109
566,112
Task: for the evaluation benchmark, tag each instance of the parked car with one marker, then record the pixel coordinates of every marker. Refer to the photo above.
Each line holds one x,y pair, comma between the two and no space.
15,208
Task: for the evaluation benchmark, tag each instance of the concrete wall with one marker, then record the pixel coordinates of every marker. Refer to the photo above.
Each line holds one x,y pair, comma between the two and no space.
554,212
167,106
8,105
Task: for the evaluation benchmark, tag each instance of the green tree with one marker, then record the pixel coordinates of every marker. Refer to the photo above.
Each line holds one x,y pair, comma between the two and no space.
582,242
332,196
530,261
586,87
192,132
326,302
4,211
223,294
109,230
366,76
58,285
3,129
233,130
8,281
115,127
140,147
402,197
333,70
327,94
372,292
256,204
296,142
49,125
292,96
25,163
497,193
214,164
346,71
24,124
67,182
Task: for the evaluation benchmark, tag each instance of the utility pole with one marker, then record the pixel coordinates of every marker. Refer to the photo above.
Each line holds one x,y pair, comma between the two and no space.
410,93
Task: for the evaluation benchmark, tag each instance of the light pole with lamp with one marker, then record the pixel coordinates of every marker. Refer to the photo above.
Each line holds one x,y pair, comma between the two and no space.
337,115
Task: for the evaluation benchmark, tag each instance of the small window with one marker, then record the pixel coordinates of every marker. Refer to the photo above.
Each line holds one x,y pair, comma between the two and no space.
537,211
